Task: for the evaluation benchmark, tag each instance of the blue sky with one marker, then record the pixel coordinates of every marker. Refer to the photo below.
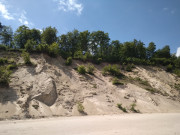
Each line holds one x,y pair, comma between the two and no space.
124,20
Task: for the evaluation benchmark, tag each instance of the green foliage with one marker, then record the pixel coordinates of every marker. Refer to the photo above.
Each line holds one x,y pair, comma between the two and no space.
152,90
11,66
177,72
97,60
81,69
169,68
133,108
3,61
112,70
21,36
121,108
30,45
129,67
80,107
150,50
116,81
163,53
3,47
4,76
143,82
177,86
90,69
53,50
26,58
49,36
42,47
69,61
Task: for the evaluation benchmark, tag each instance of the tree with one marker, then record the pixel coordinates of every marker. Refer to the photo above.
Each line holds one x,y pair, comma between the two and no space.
21,36
84,40
35,35
6,35
49,35
150,50
30,45
99,40
140,49
163,53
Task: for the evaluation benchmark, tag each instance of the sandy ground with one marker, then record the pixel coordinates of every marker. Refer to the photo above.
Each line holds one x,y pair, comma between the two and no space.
124,124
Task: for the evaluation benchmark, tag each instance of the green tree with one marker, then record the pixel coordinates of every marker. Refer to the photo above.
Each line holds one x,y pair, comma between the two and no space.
150,50
30,45
6,35
99,43
163,53
84,40
35,35
49,35
21,36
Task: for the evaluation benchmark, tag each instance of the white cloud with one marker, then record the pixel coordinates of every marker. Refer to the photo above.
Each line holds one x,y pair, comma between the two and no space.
23,19
165,9
4,12
178,52
70,5
172,11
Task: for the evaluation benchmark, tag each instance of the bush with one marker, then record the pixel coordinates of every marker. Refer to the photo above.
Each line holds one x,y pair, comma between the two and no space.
177,72
116,81
11,66
42,47
30,45
129,67
90,69
121,108
133,108
97,60
143,82
4,76
169,68
3,61
53,50
3,47
81,69
112,70
80,107
69,61
26,58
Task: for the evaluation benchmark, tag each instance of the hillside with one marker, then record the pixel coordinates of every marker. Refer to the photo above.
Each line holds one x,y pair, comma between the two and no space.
50,88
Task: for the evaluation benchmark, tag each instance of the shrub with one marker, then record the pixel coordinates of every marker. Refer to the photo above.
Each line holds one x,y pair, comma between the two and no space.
3,61
69,61
112,70
121,108
3,47
42,47
26,58
11,66
81,69
116,81
80,107
30,45
90,69
97,60
143,82
133,108
53,50
177,86
169,68
4,76
129,67
177,72
78,55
